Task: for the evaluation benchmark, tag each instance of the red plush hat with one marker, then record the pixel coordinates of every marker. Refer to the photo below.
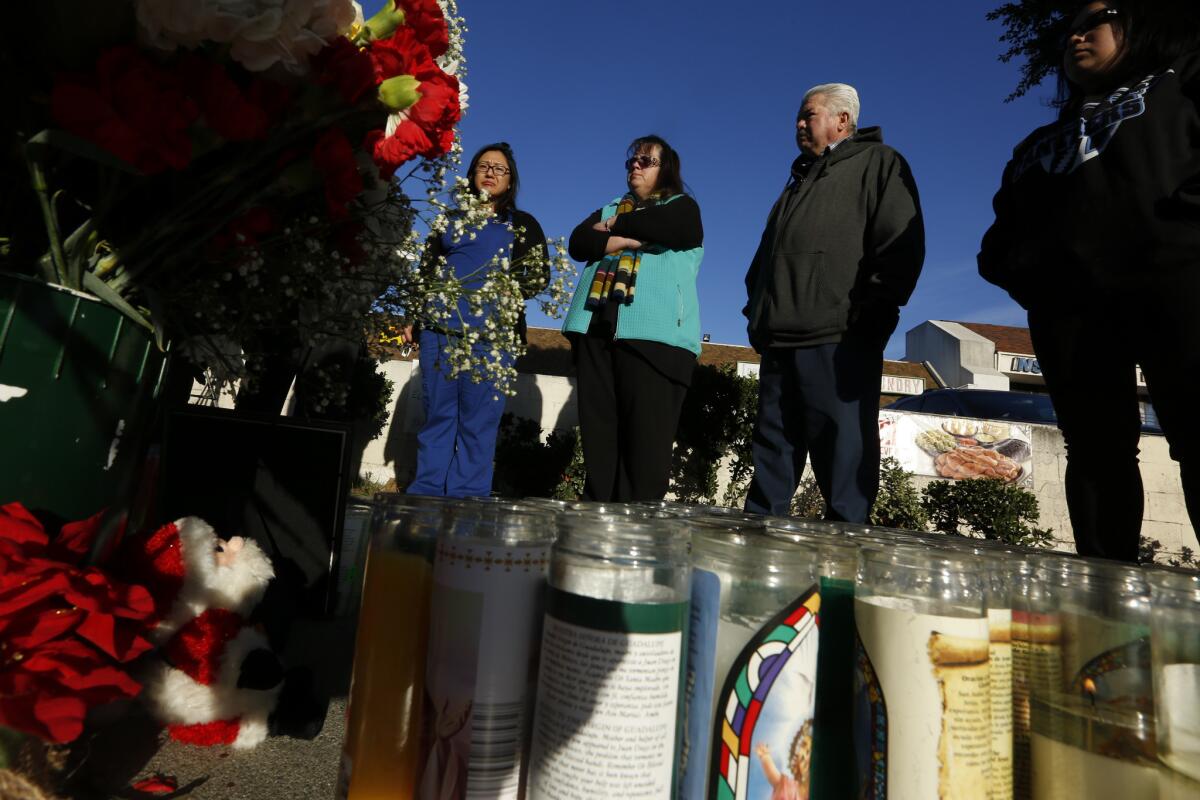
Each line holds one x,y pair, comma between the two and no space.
186,568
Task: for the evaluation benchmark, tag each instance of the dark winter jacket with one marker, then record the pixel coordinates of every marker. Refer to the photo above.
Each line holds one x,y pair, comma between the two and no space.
1105,199
844,244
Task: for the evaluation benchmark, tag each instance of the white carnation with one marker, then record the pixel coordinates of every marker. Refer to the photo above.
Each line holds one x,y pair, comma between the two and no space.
260,33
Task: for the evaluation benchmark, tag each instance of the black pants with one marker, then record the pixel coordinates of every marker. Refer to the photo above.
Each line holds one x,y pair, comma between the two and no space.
628,415
1088,354
820,401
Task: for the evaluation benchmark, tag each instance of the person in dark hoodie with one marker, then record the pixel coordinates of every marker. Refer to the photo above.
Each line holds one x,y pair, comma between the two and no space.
1097,235
841,252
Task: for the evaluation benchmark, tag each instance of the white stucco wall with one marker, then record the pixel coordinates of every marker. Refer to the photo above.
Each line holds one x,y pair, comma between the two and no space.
551,400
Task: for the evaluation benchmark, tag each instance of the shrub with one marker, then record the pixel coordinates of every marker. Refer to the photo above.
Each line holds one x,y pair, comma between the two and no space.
528,467
808,503
899,502
717,419
1151,551
986,507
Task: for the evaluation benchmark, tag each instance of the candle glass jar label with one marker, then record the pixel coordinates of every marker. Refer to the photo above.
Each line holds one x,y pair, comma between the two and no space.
922,673
383,722
608,695
485,616
762,737
1036,670
1000,673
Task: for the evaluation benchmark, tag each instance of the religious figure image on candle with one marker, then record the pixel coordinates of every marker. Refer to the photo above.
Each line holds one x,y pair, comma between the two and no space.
796,785
451,670
767,704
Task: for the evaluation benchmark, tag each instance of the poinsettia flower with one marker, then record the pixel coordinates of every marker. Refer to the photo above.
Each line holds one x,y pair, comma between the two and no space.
47,690
63,629
18,526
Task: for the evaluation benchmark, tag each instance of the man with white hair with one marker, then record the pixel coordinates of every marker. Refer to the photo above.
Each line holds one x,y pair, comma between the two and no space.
840,254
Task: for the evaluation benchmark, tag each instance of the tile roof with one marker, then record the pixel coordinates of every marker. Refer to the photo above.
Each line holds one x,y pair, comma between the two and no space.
1008,339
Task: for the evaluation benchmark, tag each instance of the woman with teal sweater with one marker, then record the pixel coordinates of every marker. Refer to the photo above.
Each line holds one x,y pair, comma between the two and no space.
634,325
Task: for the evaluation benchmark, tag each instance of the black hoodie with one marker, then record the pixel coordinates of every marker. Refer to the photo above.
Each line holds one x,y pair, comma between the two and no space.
1104,201
845,240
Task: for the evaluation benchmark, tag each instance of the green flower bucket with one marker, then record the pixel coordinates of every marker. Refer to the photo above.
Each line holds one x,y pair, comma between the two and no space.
77,381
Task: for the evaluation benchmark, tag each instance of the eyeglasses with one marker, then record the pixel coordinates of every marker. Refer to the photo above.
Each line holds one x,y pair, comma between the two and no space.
484,168
1091,22
645,162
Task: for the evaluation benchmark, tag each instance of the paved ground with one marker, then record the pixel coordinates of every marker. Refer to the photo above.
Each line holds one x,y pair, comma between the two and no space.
281,768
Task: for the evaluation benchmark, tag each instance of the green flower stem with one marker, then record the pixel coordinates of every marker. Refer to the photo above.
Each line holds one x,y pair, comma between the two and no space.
58,258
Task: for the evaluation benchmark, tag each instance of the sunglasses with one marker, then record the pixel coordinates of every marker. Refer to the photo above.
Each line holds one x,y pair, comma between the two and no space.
1091,22
645,162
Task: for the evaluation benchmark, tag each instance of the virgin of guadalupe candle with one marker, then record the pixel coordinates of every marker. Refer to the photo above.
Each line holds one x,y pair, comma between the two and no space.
384,715
485,623
1175,655
752,663
833,767
923,701
607,717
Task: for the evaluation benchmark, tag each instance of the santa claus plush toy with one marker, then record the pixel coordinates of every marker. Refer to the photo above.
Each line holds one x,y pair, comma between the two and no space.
216,680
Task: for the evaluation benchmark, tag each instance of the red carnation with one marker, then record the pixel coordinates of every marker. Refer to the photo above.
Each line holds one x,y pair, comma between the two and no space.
390,152
402,53
426,18
346,68
132,108
226,108
333,156
437,112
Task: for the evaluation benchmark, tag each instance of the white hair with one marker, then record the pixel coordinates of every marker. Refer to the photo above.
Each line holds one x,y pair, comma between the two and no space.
839,97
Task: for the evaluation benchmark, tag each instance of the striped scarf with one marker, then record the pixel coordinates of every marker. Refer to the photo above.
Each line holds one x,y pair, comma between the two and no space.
616,274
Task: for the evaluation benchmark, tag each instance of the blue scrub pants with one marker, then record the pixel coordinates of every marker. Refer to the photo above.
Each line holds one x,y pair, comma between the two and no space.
457,445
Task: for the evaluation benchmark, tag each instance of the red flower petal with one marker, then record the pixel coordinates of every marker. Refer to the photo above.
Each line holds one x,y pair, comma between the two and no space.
390,152
426,18
333,156
158,784
206,734
19,526
346,68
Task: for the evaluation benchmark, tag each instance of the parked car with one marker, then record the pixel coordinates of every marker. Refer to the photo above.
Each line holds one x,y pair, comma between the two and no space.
992,404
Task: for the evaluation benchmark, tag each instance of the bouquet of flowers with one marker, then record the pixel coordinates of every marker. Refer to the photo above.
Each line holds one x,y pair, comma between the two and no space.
234,174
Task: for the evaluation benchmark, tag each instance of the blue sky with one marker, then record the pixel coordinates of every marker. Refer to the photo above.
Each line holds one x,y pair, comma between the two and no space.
570,84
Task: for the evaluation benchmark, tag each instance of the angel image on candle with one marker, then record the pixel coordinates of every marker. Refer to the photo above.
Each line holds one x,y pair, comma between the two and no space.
795,786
